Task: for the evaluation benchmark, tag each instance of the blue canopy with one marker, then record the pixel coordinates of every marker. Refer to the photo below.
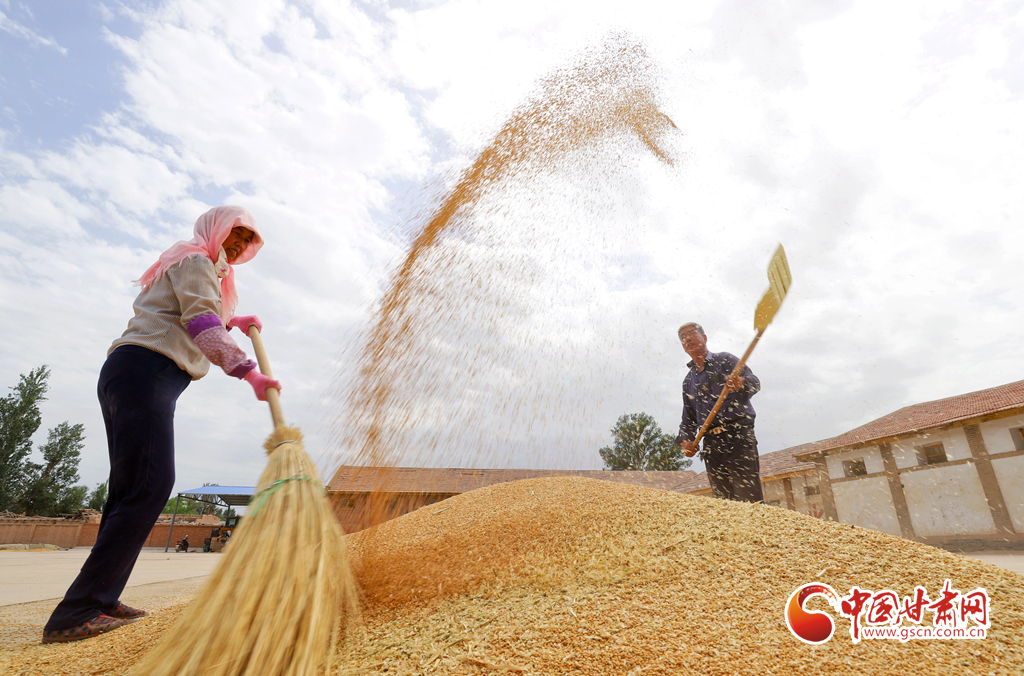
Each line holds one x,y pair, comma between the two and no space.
231,496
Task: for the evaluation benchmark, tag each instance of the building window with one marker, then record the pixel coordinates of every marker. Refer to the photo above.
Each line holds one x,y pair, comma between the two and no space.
854,467
933,455
1018,438
812,490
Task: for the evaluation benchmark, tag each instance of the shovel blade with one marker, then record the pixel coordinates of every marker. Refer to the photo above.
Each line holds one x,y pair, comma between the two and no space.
779,281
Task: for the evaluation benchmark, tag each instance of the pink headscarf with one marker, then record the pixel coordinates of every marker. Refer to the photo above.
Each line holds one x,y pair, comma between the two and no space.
212,228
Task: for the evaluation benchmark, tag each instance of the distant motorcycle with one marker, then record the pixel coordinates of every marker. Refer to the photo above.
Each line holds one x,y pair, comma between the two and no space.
182,545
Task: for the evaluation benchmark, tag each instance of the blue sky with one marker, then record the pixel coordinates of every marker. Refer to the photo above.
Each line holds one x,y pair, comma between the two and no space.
881,144
60,74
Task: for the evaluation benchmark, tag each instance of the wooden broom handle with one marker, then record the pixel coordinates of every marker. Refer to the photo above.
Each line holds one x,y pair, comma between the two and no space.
725,389
273,396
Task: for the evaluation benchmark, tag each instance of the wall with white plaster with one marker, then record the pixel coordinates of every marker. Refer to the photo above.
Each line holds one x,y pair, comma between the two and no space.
953,441
1010,475
775,491
872,461
947,500
866,503
997,435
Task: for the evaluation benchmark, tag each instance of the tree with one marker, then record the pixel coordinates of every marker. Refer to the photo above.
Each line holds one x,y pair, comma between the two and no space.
19,420
98,497
641,445
186,506
49,488
71,500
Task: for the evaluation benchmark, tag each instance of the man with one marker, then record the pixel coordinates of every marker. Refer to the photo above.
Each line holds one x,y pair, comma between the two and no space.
730,448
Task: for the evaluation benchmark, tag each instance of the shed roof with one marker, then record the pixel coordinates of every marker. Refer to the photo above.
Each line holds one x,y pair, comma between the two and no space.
233,496
909,421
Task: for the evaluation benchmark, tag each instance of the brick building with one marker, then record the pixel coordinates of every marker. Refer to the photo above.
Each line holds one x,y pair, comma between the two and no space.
365,496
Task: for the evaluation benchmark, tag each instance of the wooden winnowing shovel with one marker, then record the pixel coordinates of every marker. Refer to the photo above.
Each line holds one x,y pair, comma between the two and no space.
779,280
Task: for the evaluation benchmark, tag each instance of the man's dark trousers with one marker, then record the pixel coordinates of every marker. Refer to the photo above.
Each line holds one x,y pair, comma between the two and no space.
734,468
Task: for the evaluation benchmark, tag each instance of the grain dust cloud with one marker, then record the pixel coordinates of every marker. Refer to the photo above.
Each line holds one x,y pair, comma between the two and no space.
485,308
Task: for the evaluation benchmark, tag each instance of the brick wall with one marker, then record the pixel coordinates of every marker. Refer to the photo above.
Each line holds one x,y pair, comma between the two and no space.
358,511
64,533
60,532
157,536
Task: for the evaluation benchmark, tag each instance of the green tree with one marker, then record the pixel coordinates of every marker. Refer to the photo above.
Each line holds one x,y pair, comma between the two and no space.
49,488
19,420
641,445
71,500
98,497
186,506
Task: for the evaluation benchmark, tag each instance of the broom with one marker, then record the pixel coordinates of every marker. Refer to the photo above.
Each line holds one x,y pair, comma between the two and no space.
274,605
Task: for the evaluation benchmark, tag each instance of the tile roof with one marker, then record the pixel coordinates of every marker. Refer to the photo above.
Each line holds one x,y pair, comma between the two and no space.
780,463
941,413
355,479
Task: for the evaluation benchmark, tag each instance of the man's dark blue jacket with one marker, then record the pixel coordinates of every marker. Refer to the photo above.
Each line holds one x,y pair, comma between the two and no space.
701,390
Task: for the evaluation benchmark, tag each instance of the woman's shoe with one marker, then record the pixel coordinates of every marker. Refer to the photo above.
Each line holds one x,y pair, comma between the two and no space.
123,612
93,627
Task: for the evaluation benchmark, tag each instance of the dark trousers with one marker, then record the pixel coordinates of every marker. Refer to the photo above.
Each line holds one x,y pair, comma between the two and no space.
734,469
138,389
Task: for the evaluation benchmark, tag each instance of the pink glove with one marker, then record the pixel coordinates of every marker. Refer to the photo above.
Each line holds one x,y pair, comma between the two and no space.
260,383
244,322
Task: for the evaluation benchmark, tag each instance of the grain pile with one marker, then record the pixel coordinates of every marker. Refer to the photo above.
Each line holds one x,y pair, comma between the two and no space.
577,576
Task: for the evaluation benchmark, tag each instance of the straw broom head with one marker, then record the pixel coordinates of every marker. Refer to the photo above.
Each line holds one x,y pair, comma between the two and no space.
276,604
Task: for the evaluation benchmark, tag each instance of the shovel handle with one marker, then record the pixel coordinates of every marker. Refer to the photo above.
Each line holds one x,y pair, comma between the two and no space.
725,389
273,396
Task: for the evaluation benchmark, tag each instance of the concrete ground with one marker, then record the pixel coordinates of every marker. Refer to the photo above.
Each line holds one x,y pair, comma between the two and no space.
1009,560
33,582
40,575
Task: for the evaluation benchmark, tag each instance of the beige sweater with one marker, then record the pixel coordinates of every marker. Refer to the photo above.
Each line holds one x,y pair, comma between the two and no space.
163,312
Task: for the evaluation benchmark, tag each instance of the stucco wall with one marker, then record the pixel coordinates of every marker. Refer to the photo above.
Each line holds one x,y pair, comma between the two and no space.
872,461
996,434
799,500
954,442
810,505
866,503
947,500
775,491
1010,475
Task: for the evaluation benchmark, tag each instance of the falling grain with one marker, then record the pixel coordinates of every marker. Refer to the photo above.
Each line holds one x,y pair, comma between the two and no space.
447,341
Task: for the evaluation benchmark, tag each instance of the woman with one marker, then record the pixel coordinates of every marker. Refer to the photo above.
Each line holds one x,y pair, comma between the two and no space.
181,323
